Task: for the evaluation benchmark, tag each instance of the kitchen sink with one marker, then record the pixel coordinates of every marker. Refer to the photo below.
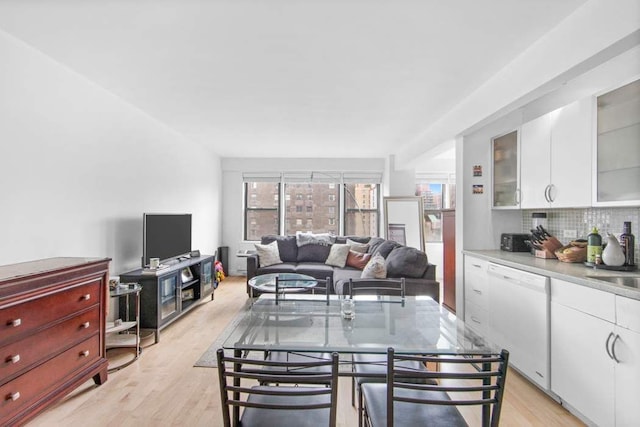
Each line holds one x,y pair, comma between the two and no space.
631,282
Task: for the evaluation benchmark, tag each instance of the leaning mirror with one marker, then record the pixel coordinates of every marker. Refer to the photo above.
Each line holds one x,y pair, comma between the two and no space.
403,220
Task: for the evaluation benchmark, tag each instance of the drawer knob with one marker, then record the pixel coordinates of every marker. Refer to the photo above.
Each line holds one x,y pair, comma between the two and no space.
85,297
14,322
13,359
85,325
13,396
84,353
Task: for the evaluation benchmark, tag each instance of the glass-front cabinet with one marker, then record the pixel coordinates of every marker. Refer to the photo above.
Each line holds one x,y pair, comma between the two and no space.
206,277
618,147
168,296
506,185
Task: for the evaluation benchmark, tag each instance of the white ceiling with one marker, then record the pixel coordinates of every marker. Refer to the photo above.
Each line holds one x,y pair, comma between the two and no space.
288,78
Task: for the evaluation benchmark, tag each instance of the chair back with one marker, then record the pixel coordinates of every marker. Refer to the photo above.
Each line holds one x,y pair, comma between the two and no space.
475,380
322,287
394,287
240,380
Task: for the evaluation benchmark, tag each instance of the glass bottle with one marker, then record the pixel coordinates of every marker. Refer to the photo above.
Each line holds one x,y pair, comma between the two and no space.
628,242
594,246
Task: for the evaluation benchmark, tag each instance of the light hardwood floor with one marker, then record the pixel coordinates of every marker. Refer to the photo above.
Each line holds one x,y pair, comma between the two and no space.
163,388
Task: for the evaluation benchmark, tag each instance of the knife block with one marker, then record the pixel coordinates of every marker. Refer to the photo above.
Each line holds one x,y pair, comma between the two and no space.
549,248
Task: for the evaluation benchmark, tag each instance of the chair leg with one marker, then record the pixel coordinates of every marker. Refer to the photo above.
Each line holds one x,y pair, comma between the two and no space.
360,409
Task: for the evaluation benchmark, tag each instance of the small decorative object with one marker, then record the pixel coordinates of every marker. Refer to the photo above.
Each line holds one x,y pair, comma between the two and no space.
220,276
154,263
187,276
612,254
478,189
348,308
477,170
575,251
113,283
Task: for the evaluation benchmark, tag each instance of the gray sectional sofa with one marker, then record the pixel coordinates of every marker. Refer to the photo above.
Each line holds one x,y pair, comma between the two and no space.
311,258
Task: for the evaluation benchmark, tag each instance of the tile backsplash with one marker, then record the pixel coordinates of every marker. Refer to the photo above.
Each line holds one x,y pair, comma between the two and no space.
608,220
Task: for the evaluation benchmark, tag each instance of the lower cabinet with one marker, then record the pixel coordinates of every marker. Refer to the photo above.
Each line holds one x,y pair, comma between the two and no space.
595,353
476,294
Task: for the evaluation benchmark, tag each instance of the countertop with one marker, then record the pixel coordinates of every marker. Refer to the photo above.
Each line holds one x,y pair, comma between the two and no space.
571,272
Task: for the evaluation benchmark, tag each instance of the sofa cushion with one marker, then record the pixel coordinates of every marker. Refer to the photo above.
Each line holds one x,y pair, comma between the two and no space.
338,255
315,269
374,242
286,267
357,246
404,261
286,246
375,268
357,260
268,254
313,253
341,278
385,248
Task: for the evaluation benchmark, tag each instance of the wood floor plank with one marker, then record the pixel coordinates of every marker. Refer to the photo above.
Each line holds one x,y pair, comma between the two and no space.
163,388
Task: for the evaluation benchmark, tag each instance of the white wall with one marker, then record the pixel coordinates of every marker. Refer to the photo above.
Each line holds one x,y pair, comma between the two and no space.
233,204
79,167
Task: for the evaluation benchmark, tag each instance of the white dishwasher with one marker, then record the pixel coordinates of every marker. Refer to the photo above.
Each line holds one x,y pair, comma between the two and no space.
519,320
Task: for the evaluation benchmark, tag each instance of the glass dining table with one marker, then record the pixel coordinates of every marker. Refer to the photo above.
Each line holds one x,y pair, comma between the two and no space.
415,324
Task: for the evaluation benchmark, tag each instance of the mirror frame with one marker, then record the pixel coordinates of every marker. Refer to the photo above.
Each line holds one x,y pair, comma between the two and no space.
398,227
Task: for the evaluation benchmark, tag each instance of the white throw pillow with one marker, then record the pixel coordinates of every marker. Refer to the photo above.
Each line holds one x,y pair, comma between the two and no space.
357,246
375,268
268,254
338,255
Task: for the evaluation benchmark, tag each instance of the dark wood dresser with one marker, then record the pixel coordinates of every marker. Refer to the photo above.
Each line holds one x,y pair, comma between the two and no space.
52,332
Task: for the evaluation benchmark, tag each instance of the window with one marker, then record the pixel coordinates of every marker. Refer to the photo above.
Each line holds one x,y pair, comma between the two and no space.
362,209
283,203
262,209
438,193
315,211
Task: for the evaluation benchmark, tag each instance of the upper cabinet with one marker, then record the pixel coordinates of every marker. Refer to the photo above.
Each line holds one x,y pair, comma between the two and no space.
556,158
617,169
506,176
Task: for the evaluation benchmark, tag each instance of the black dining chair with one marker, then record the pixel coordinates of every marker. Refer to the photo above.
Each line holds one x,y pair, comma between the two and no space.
478,380
369,367
322,287
300,403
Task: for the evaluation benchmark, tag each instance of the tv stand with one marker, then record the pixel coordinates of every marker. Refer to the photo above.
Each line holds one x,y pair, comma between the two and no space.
171,292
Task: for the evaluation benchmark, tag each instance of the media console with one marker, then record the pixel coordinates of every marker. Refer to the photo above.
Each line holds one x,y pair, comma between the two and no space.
170,292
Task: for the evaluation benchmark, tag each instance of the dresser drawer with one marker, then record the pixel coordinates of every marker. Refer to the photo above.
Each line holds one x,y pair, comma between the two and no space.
476,318
20,355
27,389
27,317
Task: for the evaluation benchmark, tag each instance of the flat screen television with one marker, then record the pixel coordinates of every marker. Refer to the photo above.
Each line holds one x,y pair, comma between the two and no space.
165,236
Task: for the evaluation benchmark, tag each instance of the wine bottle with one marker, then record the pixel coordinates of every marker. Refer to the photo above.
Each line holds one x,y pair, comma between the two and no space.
628,242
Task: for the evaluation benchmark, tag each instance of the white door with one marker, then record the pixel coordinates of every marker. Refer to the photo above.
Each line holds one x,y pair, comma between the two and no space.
582,373
535,166
571,147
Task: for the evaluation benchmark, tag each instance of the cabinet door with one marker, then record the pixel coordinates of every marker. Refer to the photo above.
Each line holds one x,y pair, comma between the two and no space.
582,373
571,144
206,277
168,296
535,168
627,351
476,295
506,177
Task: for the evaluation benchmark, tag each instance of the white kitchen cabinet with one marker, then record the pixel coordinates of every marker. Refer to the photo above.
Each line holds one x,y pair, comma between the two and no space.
555,149
476,294
506,171
595,361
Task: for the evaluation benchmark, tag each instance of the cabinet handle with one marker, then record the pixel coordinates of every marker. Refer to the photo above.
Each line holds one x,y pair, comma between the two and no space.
546,193
84,353
606,344
13,396
551,198
613,348
475,319
477,291
518,196
13,359
15,322
477,265
85,325
85,297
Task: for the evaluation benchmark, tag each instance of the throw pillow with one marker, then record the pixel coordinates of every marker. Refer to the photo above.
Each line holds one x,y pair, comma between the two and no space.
357,247
406,262
357,260
287,247
338,255
375,268
385,248
304,239
268,254
313,253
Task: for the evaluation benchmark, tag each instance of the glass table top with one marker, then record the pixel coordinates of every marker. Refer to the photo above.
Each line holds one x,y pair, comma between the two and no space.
286,281
308,323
